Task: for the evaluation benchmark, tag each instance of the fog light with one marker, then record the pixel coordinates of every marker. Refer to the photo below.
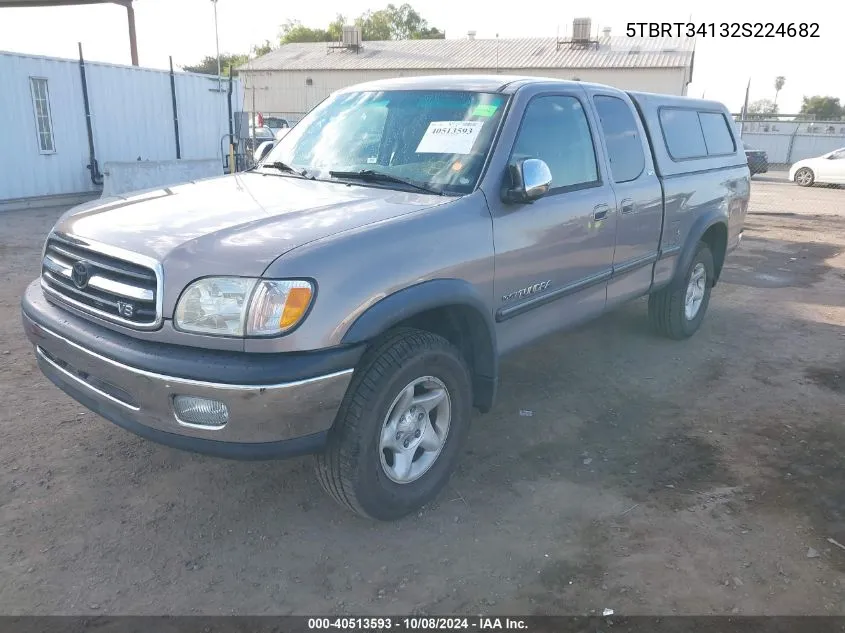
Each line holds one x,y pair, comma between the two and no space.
202,412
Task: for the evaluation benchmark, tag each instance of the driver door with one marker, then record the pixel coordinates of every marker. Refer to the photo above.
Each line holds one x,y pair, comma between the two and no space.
554,256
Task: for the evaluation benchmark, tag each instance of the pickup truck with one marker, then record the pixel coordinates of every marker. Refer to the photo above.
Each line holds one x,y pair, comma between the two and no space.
352,295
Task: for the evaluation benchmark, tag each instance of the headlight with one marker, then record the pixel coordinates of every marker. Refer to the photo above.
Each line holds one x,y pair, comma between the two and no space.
241,306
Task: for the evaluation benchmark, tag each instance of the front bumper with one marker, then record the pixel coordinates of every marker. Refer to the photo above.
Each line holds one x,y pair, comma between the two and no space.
128,382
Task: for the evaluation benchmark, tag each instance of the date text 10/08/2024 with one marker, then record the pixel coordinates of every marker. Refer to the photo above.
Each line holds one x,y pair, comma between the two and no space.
418,624
722,29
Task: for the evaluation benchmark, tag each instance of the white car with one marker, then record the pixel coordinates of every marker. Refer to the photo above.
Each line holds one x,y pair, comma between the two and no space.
264,148
828,168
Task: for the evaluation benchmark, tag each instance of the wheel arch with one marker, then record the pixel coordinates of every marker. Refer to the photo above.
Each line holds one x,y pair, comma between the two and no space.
451,308
712,229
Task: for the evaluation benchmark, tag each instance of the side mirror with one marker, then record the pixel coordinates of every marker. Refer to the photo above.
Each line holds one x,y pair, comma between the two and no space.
262,150
531,179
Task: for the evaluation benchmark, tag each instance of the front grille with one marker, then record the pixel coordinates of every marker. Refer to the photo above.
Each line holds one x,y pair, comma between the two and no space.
102,284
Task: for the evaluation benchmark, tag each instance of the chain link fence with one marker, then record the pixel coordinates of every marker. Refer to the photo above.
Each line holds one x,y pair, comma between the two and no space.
786,140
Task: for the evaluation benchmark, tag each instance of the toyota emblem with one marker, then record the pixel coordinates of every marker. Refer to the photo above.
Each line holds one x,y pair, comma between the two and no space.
80,274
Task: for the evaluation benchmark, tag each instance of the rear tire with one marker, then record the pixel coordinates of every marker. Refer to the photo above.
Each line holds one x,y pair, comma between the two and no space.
805,177
383,460
677,313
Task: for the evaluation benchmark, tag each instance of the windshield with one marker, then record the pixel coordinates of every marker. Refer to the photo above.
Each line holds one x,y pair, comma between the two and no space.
435,138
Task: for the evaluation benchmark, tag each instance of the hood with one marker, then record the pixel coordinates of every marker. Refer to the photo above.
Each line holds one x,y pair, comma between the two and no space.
233,225
237,224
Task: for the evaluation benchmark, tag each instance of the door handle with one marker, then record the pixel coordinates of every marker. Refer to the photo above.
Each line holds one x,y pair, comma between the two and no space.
627,206
600,211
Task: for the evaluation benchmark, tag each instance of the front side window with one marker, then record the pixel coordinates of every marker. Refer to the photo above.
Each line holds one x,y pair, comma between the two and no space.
43,118
555,130
436,138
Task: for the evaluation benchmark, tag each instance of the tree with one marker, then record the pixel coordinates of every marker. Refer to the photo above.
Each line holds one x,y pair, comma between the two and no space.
294,31
822,108
396,23
208,65
375,25
335,30
779,81
262,49
762,109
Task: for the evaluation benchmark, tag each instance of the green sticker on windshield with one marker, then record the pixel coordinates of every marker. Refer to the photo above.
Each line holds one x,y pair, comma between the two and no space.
485,109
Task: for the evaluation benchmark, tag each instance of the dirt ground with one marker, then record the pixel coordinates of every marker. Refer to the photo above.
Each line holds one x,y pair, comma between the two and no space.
654,477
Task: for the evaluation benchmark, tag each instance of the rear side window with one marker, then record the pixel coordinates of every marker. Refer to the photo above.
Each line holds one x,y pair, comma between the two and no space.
555,129
624,147
717,135
683,134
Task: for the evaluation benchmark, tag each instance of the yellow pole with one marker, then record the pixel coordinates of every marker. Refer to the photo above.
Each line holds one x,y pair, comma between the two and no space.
231,158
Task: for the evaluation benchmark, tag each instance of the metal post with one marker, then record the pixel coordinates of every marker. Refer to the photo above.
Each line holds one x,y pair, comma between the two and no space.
133,41
96,176
175,113
791,144
217,44
231,131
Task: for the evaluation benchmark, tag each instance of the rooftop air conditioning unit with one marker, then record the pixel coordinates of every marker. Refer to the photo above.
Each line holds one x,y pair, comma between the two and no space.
351,36
581,29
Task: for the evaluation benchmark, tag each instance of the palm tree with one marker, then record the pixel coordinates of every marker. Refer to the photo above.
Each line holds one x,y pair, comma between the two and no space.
779,81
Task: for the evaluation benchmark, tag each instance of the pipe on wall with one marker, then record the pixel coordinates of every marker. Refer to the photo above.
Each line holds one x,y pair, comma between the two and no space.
175,111
96,176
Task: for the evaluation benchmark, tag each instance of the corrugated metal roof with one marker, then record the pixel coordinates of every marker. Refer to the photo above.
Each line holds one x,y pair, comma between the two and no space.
612,52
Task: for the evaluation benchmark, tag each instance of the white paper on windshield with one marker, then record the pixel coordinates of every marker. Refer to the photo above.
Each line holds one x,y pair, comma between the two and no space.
449,137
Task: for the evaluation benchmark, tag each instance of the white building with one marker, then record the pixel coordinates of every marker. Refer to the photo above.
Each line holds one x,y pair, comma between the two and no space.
292,79
47,146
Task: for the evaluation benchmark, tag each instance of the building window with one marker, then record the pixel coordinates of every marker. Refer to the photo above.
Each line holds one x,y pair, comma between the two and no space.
43,120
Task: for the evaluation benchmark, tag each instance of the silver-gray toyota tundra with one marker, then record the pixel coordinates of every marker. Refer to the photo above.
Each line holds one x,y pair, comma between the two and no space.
351,296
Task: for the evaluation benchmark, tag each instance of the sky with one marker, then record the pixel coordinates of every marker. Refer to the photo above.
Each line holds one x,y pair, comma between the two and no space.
185,30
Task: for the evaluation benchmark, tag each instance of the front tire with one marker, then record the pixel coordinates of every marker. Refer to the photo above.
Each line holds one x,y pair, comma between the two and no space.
677,313
805,177
399,432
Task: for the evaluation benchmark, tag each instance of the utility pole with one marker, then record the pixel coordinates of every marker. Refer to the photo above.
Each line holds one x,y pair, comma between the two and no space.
217,44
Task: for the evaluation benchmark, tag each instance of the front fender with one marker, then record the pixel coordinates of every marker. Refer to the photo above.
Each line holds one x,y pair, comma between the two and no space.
431,295
795,167
405,303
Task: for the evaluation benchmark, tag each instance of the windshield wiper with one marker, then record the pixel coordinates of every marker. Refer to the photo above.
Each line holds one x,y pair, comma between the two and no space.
376,176
285,168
